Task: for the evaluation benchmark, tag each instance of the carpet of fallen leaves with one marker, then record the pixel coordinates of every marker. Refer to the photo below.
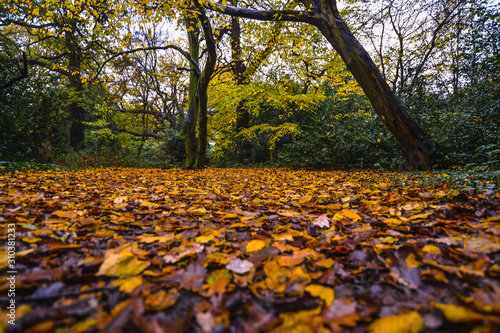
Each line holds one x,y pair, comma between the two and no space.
247,250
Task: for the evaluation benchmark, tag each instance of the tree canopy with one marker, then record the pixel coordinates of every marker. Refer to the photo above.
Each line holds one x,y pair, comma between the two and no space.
255,82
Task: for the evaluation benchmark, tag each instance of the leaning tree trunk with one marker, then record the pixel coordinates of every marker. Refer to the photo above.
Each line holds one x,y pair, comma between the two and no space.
411,137
189,127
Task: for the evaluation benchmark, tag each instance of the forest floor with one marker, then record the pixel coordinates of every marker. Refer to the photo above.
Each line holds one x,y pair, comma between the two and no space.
247,250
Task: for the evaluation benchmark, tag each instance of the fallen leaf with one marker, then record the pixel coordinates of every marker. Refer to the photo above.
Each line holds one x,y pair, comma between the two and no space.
325,293
240,266
129,284
322,222
410,322
255,245
161,299
461,314
431,249
121,264
350,214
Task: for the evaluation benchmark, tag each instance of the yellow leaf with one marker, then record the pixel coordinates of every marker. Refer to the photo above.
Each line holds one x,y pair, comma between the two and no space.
420,216
255,245
325,293
161,300
65,214
461,314
121,264
197,210
350,214
129,284
393,221
25,252
31,239
149,204
230,216
333,206
431,249
492,219
411,261
287,213
410,322
204,238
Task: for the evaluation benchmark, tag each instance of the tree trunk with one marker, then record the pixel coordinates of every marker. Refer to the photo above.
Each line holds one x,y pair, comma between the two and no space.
189,127
77,112
203,83
243,146
411,137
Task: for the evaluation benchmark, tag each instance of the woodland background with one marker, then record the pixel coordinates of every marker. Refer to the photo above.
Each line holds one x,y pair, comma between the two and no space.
119,68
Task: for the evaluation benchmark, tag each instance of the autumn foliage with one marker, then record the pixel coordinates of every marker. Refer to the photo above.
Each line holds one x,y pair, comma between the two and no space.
248,250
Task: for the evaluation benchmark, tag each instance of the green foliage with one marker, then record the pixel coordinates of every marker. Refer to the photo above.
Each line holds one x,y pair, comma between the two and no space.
341,133
13,167
489,167
32,123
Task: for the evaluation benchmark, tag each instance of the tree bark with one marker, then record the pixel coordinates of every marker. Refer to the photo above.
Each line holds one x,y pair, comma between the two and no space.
243,147
189,126
203,83
323,14
77,112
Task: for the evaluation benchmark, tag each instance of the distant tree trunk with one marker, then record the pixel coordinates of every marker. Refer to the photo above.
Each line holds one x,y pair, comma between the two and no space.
324,14
189,127
243,146
77,112
203,83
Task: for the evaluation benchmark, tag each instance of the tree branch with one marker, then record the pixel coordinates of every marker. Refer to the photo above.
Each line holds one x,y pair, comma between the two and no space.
266,15
151,48
153,113
48,66
58,56
26,25
143,135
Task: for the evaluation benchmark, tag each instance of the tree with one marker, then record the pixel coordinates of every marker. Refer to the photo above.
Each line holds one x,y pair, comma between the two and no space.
325,15
407,37
148,87
198,86
64,38
243,73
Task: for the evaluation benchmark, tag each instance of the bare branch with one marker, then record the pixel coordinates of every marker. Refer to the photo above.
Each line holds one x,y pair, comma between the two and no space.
151,48
267,15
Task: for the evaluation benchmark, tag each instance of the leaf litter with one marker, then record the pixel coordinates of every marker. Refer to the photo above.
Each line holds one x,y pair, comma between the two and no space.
243,250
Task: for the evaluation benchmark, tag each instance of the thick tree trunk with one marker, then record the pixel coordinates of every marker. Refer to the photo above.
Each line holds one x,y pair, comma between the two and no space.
411,137
77,129
189,126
